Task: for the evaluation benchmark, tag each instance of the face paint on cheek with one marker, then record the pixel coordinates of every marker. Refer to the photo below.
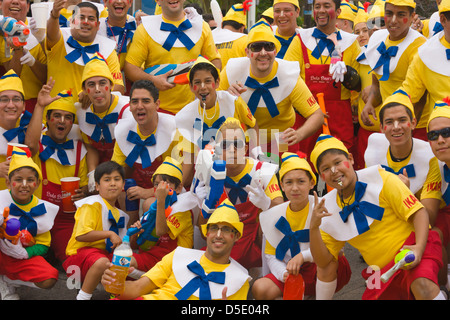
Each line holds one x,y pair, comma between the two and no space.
408,124
195,87
405,20
385,128
88,90
106,88
213,85
332,13
251,55
34,184
14,184
347,164
323,176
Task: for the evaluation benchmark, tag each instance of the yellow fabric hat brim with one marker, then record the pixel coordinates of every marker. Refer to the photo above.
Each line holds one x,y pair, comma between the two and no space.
402,3
441,110
19,161
236,13
444,6
262,32
294,2
348,11
399,97
225,213
170,167
291,161
96,67
11,81
324,143
201,59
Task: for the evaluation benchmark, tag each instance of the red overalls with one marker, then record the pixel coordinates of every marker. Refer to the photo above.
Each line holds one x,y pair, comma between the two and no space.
340,122
64,222
144,177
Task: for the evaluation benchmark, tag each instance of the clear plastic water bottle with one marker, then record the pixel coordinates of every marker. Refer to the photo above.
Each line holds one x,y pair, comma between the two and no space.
335,56
121,263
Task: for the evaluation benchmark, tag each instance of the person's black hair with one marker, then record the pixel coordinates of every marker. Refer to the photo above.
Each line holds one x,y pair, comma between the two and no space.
108,167
15,170
329,151
337,3
49,114
86,5
391,105
147,85
306,171
203,66
410,9
167,178
234,24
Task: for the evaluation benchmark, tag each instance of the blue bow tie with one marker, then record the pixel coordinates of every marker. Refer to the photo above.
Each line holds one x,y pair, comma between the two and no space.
52,146
19,132
177,33
446,194
284,45
63,23
101,125
115,225
80,50
447,51
211,130
139,149
201,281
360,209
385,59
410,171
323,43
237,189
290,240
26,219
262,90
125,33
437,28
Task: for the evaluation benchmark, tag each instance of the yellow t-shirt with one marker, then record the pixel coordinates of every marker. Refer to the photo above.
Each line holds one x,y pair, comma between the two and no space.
56,171
144,51
89,218
294,53
43,238
432,186
383,240
68,75
366,80
300,99
419,79
232,49
163,277
297,221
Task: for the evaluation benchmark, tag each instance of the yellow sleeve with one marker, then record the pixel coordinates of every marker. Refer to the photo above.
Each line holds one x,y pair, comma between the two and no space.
413,84
114,66
273,189
161,271
426,28
180,226
294,51
432,186
138,51
88,218
350,55
118,155
209,49
243,113
303,100
333,245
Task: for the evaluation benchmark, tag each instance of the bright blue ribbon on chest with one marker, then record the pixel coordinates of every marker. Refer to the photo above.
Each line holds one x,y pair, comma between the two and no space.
237,189
26,219
262,90
323,43
437,28
360,209
446,194
284,45
125,33
80,51
115,225
177,33
290,240
201,281
101,125
20,131
52,146
447,52
410,171
140,149
215,126
384,59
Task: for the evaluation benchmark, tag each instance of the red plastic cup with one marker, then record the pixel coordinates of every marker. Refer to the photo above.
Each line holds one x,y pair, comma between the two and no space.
12,146
68,187
294,287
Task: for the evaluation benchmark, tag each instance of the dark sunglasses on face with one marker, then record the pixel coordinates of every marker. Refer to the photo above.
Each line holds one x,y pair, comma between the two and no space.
434,135
224,144
258,46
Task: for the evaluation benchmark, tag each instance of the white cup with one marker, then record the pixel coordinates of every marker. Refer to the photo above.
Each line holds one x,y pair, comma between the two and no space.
39,12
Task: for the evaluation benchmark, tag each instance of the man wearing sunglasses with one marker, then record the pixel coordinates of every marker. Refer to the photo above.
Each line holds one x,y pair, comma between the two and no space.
429,71
272,89
314,48
436,192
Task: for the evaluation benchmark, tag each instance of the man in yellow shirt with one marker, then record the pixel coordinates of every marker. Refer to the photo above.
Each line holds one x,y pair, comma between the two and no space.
375,212
313,49
230,39
429,71
60,153
285,14
273,90
175,276
172,37
68,50
390,52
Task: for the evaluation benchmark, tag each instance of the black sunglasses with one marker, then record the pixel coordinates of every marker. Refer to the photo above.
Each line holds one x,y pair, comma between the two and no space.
224,144
258,46
434,135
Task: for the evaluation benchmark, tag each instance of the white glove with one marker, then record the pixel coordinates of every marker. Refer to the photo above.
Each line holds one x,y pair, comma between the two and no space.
27,58
16,251
191,13
201,192
91,181
255,152
337,70
258,197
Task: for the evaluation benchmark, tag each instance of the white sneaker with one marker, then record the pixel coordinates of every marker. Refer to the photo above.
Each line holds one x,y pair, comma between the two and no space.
7,291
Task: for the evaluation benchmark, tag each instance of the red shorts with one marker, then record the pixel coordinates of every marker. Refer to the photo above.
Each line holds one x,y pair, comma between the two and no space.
443,224
147,259
309,274
84,259
398,286
36,269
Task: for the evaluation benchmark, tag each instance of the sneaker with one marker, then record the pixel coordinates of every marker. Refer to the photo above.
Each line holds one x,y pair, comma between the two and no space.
7,291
